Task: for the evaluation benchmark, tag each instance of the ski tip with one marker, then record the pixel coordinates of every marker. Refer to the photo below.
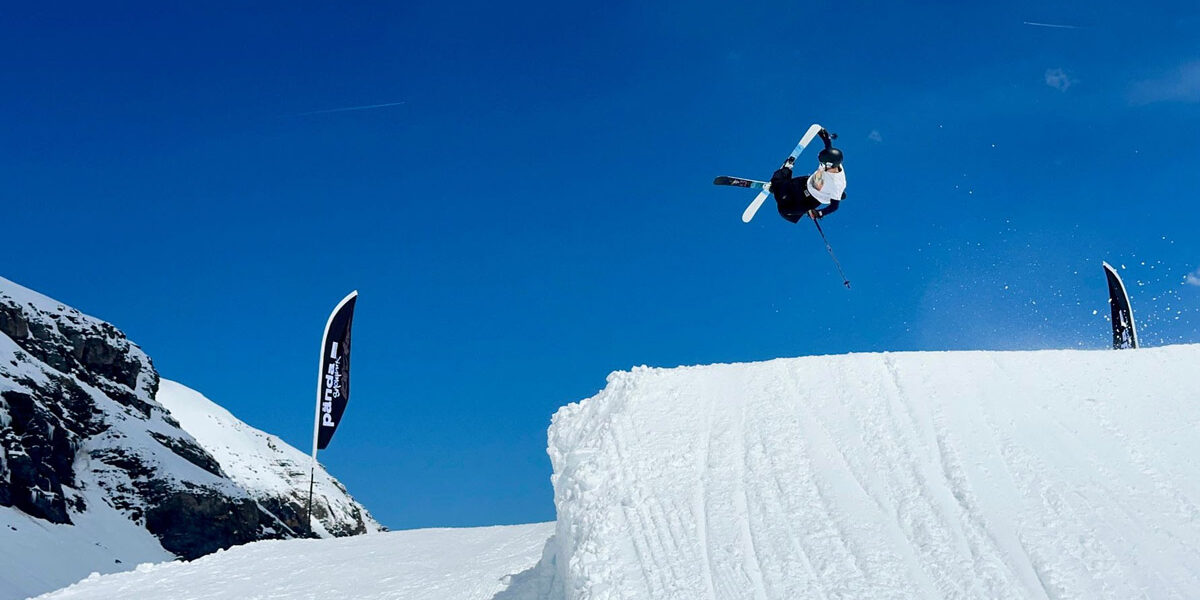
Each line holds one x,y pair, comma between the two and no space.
722,180
810,134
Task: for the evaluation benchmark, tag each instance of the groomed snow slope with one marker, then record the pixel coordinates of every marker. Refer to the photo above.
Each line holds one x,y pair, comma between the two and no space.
36,555
424,564
1053,474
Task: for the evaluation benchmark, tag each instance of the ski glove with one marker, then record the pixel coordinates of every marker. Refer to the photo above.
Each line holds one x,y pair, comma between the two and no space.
833,206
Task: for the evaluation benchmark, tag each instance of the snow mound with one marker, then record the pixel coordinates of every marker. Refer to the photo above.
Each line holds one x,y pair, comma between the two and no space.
1051,474
424,564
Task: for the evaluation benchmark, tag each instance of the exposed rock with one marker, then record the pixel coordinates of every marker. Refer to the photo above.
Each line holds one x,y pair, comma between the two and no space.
78,411
192,523
38,452
187,450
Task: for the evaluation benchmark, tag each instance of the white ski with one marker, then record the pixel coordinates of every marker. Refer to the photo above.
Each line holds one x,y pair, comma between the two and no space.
766,191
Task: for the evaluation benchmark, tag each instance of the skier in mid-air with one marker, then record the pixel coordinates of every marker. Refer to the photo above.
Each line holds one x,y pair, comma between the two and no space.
798,196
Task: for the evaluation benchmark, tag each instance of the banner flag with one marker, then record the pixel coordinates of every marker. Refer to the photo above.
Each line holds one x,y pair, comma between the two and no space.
1123,330
333,384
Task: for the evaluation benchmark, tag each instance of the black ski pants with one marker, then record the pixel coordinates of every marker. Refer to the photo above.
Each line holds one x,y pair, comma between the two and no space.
791,195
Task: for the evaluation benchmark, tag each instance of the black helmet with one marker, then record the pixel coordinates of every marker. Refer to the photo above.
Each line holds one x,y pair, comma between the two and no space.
830,157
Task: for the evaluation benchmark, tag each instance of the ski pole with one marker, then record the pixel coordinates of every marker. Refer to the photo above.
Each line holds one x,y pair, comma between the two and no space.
845,282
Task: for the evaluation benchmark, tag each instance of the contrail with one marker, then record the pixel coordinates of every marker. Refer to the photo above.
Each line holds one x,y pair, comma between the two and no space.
347,109
1052,25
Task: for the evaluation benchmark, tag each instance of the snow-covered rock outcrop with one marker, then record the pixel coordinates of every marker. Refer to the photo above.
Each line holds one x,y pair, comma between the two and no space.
90,459
272,472
1054,474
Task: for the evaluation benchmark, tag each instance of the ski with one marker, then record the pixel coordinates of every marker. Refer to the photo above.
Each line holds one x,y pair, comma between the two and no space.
766,189
753,184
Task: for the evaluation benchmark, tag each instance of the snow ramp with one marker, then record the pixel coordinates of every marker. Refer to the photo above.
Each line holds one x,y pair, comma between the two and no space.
1049,474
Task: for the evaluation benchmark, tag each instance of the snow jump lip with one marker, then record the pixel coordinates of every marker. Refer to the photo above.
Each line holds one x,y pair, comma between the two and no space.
970,474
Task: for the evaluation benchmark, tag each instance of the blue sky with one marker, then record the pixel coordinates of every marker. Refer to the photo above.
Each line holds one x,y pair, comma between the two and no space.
534,209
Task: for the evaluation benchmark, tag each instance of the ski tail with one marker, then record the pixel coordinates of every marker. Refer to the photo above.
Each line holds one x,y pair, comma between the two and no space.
739,182
762,196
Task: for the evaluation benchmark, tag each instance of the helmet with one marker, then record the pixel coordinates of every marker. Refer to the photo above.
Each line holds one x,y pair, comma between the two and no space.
830,157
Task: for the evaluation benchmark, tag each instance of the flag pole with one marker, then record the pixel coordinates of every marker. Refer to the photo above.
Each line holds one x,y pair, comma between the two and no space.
312,467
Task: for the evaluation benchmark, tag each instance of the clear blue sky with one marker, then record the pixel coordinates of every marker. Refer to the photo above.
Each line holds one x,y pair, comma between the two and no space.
539,210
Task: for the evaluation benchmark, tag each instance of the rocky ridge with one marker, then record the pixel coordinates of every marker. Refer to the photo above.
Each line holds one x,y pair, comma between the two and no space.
79,413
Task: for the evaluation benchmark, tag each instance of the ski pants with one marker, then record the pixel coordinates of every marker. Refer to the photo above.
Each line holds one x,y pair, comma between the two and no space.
791,195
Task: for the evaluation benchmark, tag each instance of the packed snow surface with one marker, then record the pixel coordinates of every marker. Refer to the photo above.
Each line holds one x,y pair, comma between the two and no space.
422,564
36,555
1052,474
